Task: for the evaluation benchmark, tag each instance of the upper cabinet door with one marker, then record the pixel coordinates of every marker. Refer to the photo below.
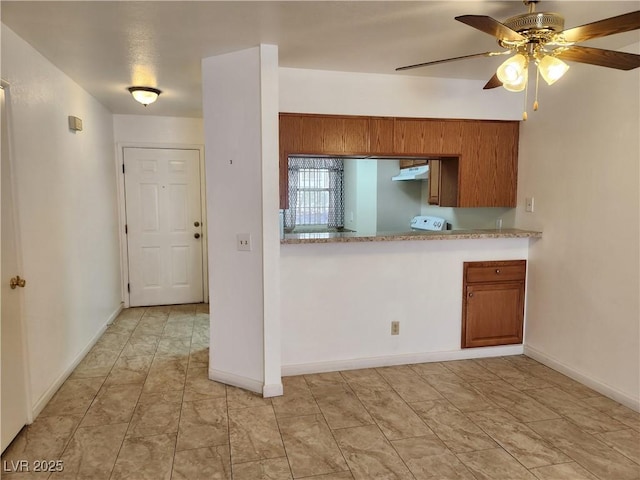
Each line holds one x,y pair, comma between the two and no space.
335,135
355,135
318,135
489,164
409,136
427,136
290,133
381,134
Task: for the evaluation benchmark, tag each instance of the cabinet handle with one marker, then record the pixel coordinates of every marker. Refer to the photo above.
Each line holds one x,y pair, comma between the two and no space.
471,295
497,271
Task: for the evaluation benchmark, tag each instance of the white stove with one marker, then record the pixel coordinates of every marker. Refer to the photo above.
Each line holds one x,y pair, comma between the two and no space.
427,222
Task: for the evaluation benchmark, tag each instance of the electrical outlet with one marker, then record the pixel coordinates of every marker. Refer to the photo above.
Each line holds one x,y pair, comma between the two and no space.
244,242
395,328
529,205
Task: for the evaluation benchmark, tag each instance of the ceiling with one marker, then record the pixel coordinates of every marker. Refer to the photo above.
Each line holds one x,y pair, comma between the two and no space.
108,46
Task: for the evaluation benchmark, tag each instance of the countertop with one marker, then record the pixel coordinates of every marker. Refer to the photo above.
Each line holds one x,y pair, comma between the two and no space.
293,238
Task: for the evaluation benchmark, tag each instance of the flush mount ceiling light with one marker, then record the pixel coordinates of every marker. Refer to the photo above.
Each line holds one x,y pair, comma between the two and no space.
540,39
144,95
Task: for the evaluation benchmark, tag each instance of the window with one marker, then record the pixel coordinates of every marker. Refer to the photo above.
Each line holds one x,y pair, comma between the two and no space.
315,193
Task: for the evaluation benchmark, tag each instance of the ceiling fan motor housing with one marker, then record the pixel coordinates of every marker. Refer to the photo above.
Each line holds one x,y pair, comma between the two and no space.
536,24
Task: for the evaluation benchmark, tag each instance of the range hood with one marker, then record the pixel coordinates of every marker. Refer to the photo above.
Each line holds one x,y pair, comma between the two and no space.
413,173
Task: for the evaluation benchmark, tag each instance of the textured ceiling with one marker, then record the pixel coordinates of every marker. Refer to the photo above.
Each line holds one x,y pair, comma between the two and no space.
107,46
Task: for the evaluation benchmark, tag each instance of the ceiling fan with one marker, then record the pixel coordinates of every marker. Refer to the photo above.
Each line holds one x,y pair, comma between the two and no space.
540,39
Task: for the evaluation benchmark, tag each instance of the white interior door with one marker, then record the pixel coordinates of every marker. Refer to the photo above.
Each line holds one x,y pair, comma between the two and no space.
164,226
14,402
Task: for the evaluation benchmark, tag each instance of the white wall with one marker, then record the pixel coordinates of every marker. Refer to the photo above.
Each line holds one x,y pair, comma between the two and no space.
66,201
321,91
360,177
240,123
398,202
469,218
350,182
579,157
160,130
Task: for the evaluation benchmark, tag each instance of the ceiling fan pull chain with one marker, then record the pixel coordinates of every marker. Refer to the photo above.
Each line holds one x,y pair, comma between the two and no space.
535,102
526,90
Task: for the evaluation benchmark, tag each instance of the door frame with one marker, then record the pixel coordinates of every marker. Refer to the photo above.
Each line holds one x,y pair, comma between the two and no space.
122,214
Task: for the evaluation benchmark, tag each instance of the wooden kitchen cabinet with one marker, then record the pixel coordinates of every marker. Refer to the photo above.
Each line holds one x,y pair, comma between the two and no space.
493,303
333,134
408,136
479,158
434,182
381,134
413,162
487,151
488,164
290,142
406,162
428,136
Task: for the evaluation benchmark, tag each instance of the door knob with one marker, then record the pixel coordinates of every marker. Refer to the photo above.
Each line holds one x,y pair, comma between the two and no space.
196,224
17,282
197,235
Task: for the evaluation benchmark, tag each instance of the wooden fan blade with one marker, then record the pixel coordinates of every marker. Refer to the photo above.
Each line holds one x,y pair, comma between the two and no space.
494,82
453,59
491,26
602,58
602,28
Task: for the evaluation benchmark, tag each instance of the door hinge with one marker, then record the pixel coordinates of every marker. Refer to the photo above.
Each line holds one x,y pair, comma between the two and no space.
123,168
126,229
129,287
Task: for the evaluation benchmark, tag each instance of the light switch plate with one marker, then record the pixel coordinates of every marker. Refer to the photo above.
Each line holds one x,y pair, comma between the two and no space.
529,205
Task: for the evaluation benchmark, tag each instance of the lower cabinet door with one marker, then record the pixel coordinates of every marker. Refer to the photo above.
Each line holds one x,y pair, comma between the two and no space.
493,314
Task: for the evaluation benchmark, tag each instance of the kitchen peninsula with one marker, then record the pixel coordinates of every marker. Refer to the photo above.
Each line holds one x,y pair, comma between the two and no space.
340,298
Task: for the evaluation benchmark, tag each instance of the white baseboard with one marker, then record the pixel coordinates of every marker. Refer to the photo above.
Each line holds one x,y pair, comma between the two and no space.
390,360
598,386
39,405
234,380
115,314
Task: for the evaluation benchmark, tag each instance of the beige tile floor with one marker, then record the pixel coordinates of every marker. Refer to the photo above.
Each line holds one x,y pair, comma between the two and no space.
140,406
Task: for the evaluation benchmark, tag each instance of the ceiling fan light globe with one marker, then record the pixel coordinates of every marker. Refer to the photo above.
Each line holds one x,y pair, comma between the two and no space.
519,84
511,69
552,69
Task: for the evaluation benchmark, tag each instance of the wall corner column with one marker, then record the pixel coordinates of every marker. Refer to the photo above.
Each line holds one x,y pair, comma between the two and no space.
240,105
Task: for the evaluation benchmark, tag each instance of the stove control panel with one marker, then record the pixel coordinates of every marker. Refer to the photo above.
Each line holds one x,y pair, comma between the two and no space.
427,222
